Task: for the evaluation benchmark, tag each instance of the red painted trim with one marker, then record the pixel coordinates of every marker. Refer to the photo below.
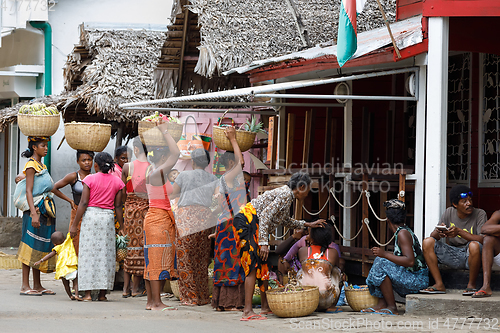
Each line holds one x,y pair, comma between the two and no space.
408,8
466,8
412,51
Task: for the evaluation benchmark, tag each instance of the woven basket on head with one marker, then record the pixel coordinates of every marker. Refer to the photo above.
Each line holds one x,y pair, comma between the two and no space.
87,136
293,303
151,136
360,299
38,125
244,139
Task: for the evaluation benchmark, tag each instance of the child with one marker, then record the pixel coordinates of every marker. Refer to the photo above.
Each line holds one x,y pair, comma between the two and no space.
66,267
172,175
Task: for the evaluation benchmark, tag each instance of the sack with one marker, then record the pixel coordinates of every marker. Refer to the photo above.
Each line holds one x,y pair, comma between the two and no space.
187,146
47,207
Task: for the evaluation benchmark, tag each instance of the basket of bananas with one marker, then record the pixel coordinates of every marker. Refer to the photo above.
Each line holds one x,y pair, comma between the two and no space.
38,119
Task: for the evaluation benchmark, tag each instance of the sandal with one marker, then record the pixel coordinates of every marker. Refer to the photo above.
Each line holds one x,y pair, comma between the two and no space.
469,291
431,290
481,294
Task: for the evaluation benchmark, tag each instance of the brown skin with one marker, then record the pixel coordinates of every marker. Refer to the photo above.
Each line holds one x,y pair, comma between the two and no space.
82,207
122,159
85,162
300,194
135,288
40,151
405,242
465,207
491,248
333,256
154,287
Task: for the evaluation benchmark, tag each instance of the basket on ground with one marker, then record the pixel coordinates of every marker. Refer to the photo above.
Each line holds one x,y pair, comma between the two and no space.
38,125
87,136
151,136
174,285
293,302
360,299
244,139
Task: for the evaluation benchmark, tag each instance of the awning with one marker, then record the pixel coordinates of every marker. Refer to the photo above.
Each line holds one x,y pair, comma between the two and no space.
251,91
406,33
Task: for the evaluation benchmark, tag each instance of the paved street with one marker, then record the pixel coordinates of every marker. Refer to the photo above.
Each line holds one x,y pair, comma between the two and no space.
57,313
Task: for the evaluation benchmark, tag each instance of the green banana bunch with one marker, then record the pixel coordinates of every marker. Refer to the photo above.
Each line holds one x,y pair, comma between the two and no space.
38,109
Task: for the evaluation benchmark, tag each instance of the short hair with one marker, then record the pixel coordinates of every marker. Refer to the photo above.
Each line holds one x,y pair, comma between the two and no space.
200,157
299,179
456,191
57,237
122,149
84,152
396,216
157,153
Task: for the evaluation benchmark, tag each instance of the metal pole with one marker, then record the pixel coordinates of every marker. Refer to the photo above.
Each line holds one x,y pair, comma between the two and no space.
269,113
249,91
263,104
353,97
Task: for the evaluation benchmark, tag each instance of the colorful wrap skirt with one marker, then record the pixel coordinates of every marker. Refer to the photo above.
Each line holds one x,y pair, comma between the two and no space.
97,254
36,244
246,223
403,281
136,209
160,262
193,253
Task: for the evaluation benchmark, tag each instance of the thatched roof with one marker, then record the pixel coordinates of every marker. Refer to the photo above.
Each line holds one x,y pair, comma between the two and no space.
110,67
237,32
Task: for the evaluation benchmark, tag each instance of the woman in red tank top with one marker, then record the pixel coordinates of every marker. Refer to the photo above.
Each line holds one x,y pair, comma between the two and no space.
159,224
136,208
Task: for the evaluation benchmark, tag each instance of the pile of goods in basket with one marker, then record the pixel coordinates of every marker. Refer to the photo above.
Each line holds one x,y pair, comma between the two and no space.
38,109
165,118
245,135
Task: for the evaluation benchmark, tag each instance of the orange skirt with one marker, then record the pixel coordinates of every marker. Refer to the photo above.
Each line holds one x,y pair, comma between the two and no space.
76,239
159,245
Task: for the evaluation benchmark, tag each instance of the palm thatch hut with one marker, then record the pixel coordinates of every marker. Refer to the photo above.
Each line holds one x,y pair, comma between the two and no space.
207,38
106,68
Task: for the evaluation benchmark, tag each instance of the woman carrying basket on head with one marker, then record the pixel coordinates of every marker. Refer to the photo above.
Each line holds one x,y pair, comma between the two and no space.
255,222
34,198
159,224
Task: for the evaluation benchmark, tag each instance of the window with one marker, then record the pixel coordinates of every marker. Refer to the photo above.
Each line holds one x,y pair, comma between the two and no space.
457,163
489,121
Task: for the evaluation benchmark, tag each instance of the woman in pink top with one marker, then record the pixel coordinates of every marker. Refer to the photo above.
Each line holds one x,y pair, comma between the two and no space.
97,255
159,224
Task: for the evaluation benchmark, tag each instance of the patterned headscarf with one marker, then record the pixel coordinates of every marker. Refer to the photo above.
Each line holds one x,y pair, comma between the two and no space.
38,138
394,204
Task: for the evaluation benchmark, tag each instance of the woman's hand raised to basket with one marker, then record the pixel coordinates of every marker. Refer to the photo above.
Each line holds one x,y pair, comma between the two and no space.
316,224
230,133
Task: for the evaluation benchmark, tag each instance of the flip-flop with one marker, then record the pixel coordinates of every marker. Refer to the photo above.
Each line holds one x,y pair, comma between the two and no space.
469,291
168,308
126,295
371,310
48,292
481,294
30,293
253,317
431,290
336,310
386,312
141,294
262,313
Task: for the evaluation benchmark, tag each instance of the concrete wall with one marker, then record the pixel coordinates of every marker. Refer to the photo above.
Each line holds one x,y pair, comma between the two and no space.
22,47
65,18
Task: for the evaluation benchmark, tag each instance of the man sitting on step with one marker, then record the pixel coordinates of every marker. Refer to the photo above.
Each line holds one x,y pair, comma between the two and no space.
491,252
460,226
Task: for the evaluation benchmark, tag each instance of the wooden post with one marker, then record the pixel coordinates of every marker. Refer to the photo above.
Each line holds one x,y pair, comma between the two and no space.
5,170
328,137
290,133
322,196
183,50
402,187
119,135
333,146
383,224
274,145
307,151
364,233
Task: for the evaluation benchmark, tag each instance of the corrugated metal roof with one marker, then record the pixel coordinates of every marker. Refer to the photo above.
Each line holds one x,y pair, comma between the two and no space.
406,33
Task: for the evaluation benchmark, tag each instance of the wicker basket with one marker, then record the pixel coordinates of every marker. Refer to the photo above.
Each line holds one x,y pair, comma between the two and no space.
10,262
293,303
87,136
151,136
244,139
174,285
38,125
360,299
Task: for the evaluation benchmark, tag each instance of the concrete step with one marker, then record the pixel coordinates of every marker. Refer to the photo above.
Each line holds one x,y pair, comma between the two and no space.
453,304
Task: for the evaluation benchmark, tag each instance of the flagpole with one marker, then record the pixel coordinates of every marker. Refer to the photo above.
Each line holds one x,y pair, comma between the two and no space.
389,29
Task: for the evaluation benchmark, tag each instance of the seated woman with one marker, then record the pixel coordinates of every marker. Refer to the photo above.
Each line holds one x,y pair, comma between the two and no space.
319,266
403,271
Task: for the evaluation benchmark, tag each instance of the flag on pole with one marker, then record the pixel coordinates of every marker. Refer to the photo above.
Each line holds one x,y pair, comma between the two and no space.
347,41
